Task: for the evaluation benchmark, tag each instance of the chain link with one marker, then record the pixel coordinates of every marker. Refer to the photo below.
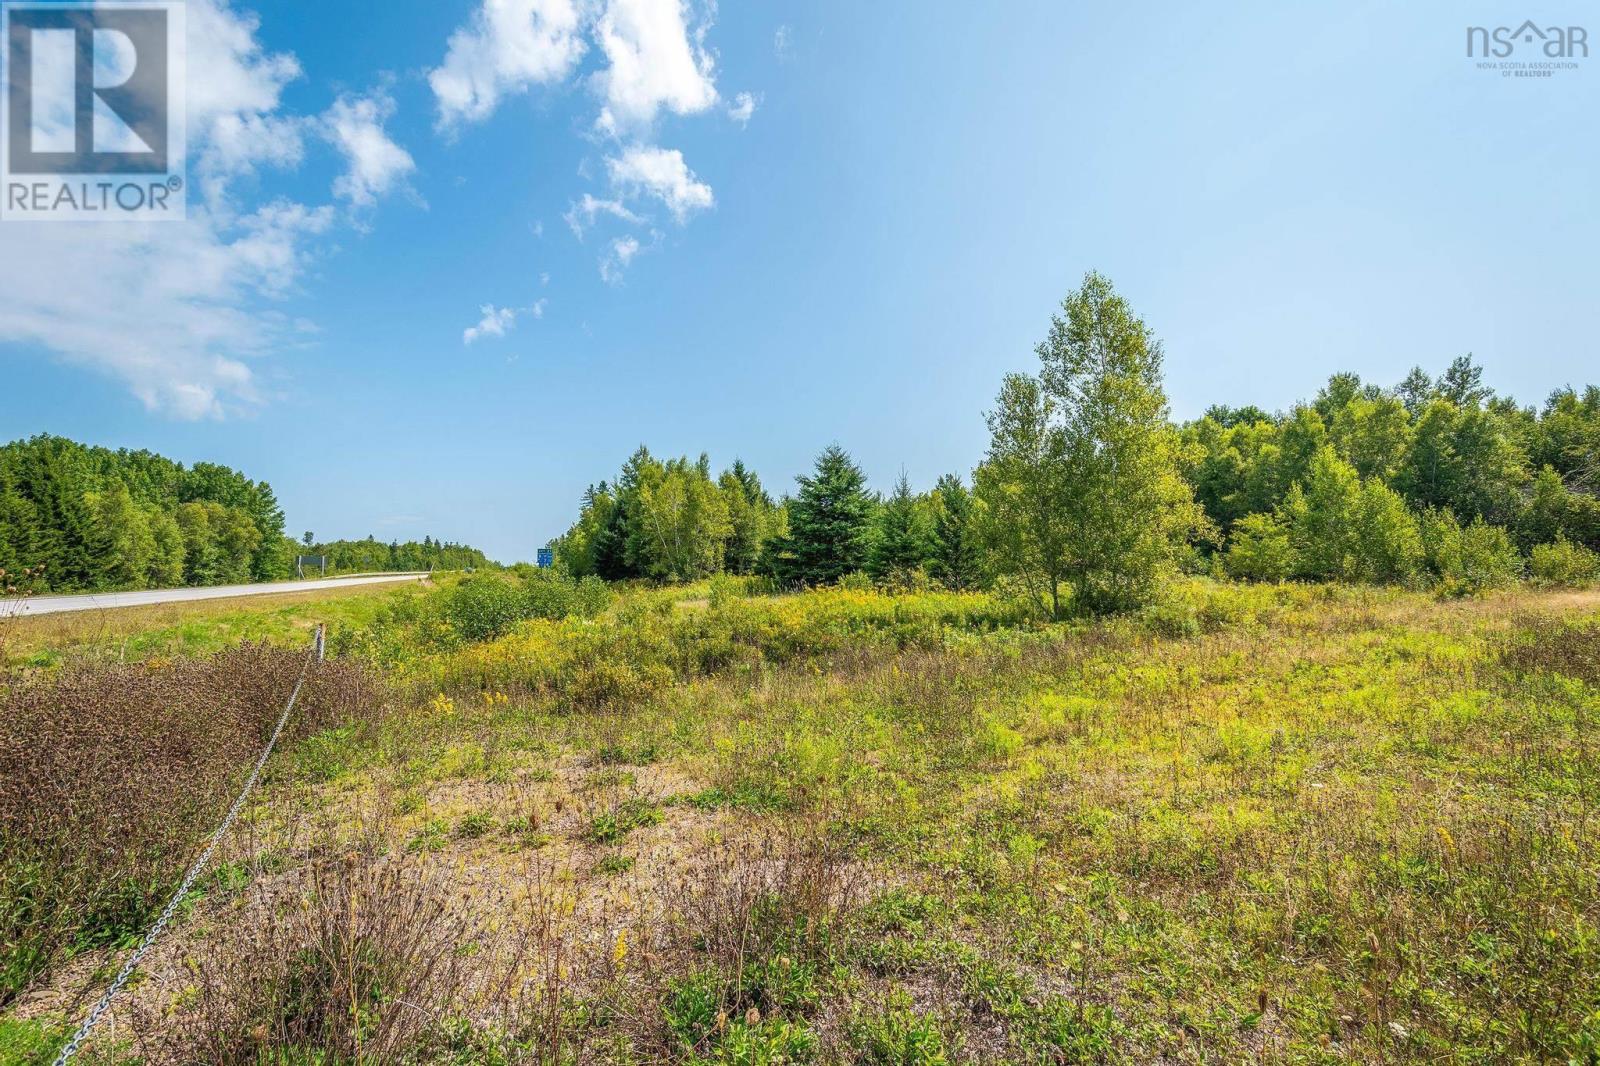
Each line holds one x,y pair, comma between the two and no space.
93,1017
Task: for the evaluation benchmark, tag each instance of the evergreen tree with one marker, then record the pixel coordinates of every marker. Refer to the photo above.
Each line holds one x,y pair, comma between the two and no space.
955,556
901,543
830,522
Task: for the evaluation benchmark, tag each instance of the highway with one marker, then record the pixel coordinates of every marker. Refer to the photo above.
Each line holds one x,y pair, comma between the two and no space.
99,601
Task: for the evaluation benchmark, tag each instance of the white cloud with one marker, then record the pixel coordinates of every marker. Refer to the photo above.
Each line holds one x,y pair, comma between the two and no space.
506,48
782,41
622,251
654,62
234,86
237,143
174,311
581,215
374,163
229,71
661,173
496,322
181,313
743,106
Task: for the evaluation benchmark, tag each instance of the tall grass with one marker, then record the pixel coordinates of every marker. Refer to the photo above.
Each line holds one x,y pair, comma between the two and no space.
110,774
1274,823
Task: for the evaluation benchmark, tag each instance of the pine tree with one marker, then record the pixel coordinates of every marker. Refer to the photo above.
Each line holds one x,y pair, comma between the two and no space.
901,542
955,558
830,522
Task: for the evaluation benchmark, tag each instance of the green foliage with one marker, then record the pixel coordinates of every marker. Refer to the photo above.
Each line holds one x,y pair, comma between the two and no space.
1388,540
484,607
754,521
897,1036
1467,560
1088,499
773,1043
609,827
679,523
1447,446
1259,549
670,521
1563,563
955,557
1554,510
902,540
1023,485
1082,482
33,1043
101,519
830,523
373,556
1340,527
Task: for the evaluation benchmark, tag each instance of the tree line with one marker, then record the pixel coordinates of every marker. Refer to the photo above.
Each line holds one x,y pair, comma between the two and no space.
1089,495
86,518
372,555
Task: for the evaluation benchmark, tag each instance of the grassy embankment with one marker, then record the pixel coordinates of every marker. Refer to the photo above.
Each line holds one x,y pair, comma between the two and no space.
1261,824
191,628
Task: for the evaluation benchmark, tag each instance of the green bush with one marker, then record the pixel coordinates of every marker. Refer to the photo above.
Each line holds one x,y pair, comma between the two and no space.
1563,564
484,606
1467,560
1259,549
549,595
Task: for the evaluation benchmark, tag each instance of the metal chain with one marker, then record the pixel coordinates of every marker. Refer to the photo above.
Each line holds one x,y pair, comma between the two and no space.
93,1017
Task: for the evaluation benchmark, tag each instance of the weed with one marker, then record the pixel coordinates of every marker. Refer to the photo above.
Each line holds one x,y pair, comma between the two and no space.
475,825
612,865
893,1034
109,775
356,971
611,826
433,836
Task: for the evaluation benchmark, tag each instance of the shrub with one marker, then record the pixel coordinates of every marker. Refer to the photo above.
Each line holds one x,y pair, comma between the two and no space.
644,646
1259,549
1563,564
484,607
549,595
1467,560
1387,544
109,774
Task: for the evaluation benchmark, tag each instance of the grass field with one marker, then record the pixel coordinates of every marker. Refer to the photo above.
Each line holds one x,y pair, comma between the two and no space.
1259,823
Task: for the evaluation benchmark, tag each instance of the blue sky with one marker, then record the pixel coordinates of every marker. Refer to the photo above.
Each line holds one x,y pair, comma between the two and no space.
837,222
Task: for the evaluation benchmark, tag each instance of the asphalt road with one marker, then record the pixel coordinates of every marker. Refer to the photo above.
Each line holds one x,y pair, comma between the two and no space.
97,601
